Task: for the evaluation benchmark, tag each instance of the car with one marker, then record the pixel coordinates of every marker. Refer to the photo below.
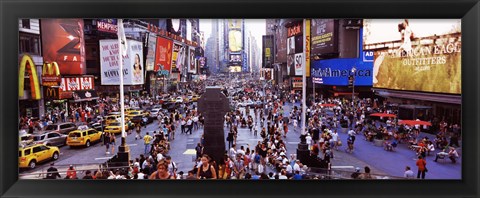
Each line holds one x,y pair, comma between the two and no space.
24,137
154,112
97,126
31,154
179,100
63,128
49,138
115,118
115,128
136,113
83,137
194,98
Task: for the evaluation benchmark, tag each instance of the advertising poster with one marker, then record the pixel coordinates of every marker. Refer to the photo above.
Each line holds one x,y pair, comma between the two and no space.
132,63
175,55
192,62
337,71
291,45
426,55
235,40
163,55
307,47
107,25
63,42
324,39
202,61
235,69
267,46
152,44
234,23
298,64
290,63
281,43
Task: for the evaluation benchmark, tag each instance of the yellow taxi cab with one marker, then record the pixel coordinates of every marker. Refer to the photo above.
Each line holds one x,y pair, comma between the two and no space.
134,113
115,128
30,155
84,136
114,118
194,98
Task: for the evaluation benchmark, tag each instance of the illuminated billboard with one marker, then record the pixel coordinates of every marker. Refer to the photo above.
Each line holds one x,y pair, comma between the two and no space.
235,40
417,55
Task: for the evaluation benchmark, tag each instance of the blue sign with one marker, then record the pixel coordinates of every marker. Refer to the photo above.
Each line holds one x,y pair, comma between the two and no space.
368,56
337,71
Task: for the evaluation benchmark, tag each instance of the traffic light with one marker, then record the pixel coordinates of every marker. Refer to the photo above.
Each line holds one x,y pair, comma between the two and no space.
350,80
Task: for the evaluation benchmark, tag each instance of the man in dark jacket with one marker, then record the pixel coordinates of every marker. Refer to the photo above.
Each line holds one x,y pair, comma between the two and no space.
52,172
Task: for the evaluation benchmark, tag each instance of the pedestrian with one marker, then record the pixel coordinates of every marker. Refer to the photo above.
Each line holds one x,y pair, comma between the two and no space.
409,173
106,142
52,172
147,138
138,130
162,171
71,173
422,167
366,174
88,175
112,142
206,170
239,167
183,123
199,150
189,126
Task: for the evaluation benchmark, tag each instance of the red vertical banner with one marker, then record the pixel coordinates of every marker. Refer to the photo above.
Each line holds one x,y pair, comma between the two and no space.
163,54
63,42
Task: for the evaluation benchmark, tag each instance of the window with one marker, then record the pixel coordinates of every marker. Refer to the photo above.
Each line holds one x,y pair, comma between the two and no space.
19,153
27,151
91,132
26,23
64,126
43,148
29,43
50,127
84,133
37,149
52,135
74,135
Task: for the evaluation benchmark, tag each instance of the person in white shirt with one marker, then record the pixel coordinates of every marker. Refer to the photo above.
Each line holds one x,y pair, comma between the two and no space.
283,175
232,153
309,141
289,168
335,139
159,157
409,173
296,166
195,122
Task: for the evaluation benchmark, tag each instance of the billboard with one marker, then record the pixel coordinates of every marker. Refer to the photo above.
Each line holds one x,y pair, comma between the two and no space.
63,42
163,54
192,64
267,52
234,23
132,63
281,43
337,71
324,37
202,61
235,59
178,57
107,25
299,64
235,69
150,60
421,55
235,40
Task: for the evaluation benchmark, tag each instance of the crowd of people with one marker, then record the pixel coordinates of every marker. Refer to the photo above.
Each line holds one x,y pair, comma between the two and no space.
266,117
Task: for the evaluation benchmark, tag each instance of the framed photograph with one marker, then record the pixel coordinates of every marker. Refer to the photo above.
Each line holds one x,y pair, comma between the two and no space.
106,99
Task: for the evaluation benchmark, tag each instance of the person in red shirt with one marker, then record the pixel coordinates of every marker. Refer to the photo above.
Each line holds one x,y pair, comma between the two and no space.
71,173
422,167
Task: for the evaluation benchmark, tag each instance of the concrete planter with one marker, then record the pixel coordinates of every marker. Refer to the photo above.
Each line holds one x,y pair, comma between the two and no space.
378,142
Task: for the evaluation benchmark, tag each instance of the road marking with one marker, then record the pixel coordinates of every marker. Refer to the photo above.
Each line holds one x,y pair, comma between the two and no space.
190,152
343,167
131,144
102,158
256,139
293,142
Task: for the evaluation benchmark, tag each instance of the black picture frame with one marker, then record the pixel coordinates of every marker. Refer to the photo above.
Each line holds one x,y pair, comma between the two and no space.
11,11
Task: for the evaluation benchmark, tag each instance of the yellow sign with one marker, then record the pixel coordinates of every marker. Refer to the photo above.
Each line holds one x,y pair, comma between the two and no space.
50,74
307,46
27,63
267,52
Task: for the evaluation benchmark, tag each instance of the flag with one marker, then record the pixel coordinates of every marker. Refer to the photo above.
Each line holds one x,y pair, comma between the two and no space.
122,40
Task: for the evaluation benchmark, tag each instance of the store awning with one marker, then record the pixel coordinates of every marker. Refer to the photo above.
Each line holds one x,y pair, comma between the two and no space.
81,96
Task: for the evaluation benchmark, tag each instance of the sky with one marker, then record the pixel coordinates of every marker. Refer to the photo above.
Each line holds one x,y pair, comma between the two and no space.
387,29
256,27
